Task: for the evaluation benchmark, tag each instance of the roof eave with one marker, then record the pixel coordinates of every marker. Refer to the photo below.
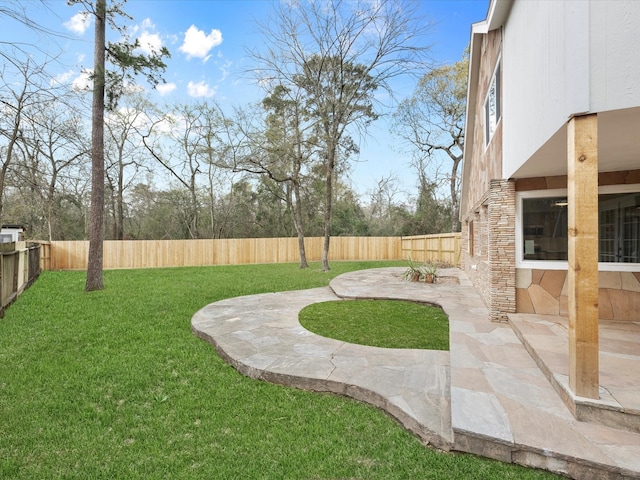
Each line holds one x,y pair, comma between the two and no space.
477,30
498,12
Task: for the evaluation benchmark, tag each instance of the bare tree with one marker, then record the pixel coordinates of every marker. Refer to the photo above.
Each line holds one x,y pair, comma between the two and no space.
340,53
54,148
431,122
282,148
21,89
220,145
382,202
185,142
125,159
220,182
291,150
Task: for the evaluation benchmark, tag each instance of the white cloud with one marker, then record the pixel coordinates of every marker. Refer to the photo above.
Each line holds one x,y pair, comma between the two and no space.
62,78
198,44
79,23
147,24
135,116
150,43
200,89
172,39
165,88
83,81
225,69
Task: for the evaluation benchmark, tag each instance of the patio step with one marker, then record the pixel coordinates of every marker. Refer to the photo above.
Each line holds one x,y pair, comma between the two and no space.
503,407
545,337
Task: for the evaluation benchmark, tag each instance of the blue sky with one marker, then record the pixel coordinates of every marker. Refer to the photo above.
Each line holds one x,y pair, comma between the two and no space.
208,41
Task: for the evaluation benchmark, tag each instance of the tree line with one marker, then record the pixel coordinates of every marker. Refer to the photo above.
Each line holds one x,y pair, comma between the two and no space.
276,168
187,184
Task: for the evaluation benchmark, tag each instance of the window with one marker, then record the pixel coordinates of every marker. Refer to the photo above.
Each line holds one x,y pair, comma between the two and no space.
542,230
492,107
471,239
618,233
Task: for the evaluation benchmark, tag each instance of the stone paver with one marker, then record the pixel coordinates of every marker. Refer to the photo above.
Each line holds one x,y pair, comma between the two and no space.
261,337
486,396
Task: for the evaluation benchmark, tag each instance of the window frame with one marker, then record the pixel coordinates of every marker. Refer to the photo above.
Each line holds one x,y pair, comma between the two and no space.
563,264
495,79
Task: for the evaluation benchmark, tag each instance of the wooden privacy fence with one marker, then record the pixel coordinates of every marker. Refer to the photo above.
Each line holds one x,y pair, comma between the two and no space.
440,248
19,268
72,255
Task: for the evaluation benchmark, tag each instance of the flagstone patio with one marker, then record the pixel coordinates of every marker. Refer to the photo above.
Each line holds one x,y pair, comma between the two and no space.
490,395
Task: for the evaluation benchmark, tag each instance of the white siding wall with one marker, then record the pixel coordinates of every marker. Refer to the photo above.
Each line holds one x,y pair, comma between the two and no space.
534,66
562,58
615,55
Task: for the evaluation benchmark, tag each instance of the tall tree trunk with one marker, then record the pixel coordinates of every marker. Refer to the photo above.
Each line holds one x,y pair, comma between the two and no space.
119,216
120,196
297,206
96,232
51,191
212,206
194,224
327,211
297,223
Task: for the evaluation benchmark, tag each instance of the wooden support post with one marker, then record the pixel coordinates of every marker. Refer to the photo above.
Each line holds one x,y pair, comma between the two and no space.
582,190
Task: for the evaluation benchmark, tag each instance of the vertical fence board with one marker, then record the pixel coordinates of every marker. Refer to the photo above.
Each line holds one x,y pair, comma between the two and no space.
72,255
443,248
19,267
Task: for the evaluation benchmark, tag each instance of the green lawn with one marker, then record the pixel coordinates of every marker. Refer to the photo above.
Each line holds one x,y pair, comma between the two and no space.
113,385
379,323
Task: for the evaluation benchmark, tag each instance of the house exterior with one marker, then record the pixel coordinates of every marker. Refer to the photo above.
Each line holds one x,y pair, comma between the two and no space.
550,205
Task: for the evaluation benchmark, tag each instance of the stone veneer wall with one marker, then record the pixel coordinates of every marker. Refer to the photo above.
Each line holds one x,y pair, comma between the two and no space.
544,292
501,249
476,263
482,165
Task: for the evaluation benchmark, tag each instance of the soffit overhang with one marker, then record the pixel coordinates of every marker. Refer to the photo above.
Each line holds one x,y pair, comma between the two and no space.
618,147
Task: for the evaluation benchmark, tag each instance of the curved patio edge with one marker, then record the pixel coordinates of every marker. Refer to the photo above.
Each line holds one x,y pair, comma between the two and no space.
260,336
486,396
